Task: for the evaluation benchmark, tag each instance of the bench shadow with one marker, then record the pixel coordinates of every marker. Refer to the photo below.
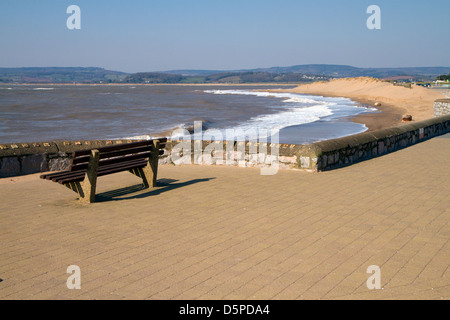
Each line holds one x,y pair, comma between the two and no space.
163,185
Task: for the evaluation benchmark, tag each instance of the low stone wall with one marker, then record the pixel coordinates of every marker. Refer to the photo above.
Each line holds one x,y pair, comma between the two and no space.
234,153
441,107
26,158
332,154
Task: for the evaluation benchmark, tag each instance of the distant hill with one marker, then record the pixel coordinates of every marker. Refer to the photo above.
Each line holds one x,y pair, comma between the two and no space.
292,74
343,71
60,75
193,73
222,77
335,71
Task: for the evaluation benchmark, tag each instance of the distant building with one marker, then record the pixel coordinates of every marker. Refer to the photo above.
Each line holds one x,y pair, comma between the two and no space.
445,84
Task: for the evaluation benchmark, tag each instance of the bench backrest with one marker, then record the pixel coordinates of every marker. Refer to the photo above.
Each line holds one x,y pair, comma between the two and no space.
127,153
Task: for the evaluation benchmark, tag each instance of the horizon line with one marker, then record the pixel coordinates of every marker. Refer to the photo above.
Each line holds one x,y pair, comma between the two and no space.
225,70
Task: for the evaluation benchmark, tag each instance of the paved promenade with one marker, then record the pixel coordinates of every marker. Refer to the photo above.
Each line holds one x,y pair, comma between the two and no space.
230,233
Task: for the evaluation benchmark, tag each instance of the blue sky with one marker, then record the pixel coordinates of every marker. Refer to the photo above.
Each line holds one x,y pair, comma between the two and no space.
156,35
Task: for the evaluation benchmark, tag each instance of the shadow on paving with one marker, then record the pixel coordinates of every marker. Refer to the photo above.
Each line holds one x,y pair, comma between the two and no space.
163,185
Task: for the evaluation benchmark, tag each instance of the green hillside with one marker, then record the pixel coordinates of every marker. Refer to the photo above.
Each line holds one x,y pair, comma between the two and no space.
59,75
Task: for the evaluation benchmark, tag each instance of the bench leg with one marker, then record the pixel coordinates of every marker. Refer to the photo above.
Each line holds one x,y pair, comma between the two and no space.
89,186
89,183
151,170
147,176
149,173
77,187
139,172
86,188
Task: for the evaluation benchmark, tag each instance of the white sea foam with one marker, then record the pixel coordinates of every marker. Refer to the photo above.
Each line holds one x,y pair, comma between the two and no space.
43,89
142,137
287,97
265,125
177,128
290,117
298,110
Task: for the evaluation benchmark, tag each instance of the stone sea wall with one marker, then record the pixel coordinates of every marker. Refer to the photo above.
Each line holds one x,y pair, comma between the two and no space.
332,154
441,107
26,158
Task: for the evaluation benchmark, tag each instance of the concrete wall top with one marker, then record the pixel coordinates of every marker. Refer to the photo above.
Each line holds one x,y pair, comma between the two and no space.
53,147
25,149
71,146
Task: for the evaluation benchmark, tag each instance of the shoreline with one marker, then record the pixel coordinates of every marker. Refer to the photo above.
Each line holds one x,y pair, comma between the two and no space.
395,100
388,115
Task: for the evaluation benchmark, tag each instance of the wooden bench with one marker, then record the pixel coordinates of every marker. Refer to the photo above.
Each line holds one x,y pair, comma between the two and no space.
139,158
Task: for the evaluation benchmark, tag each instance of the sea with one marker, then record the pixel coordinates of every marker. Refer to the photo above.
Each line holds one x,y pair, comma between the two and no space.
32,113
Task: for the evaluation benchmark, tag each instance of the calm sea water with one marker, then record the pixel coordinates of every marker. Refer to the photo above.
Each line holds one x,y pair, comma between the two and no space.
43,113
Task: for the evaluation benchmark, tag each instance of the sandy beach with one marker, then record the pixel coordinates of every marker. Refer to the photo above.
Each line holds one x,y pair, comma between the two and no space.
395,100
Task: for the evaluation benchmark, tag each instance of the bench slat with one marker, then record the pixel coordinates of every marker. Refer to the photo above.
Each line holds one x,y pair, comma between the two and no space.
113,148
83,166
64,174
119,169
119,147
54,175
44,176
78,176
101,173
105,155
